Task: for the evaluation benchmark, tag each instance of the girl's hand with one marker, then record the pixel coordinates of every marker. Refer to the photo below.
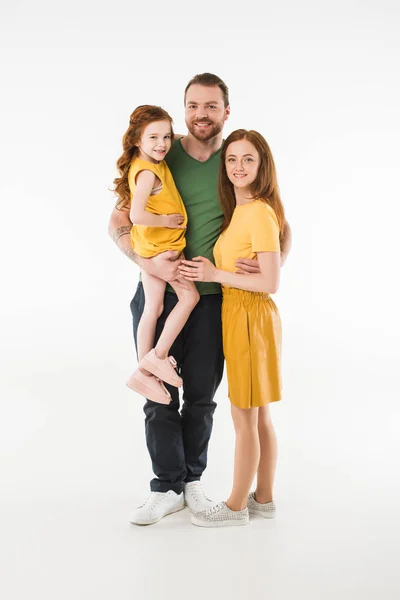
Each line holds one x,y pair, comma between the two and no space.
174,221
198,269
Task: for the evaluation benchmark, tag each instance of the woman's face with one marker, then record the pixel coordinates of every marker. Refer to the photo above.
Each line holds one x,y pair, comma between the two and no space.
242,162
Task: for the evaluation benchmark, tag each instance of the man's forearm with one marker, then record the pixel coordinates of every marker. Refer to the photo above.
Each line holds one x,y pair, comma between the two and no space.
121,236
286,243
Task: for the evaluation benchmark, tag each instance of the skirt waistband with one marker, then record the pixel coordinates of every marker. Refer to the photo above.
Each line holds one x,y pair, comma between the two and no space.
237,295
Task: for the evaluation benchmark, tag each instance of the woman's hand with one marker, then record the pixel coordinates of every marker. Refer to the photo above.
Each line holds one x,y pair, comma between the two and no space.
198,269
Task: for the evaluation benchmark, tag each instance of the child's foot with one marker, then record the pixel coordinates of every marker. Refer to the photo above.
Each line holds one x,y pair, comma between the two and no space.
164,368
149,386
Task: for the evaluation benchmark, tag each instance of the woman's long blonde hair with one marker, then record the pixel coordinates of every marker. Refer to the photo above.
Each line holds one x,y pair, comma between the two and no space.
265,185
139,119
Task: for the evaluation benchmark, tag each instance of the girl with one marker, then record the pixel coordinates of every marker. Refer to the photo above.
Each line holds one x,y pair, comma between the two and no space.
160,220
252,227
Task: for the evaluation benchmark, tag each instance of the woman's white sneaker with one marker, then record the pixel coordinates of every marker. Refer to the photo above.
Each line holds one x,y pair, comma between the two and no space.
221,516
195,498
157,506
267,510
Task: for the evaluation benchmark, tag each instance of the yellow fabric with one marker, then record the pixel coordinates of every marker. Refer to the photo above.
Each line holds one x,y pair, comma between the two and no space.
149,241
251,333
251,325
253,228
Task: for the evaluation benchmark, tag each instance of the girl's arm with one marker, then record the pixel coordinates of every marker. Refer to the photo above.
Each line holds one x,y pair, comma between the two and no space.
202,269
139,215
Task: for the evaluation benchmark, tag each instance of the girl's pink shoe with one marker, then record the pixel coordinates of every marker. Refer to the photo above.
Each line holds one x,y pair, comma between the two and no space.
164,368
149,387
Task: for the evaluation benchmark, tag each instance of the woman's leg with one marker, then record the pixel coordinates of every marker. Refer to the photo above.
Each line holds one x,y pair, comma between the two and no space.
188,297
247,455
154,289
268,456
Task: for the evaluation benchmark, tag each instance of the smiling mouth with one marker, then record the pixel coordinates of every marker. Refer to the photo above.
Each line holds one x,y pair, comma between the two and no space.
240,176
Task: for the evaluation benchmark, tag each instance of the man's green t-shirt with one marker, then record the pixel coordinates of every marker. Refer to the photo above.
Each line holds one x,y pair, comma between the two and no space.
197,184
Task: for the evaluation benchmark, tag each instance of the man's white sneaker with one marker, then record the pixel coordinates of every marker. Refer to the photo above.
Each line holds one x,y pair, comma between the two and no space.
195,498
267,510
221,516
157,506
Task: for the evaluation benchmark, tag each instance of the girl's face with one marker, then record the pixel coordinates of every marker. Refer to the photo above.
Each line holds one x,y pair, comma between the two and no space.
156,140
242,162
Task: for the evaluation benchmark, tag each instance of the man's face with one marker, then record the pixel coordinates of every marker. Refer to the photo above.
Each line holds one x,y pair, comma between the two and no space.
205,112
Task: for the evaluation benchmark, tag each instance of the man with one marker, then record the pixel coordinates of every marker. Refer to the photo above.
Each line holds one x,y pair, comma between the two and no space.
178,442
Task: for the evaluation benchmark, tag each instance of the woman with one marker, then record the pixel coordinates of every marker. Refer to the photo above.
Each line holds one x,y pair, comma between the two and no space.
252,228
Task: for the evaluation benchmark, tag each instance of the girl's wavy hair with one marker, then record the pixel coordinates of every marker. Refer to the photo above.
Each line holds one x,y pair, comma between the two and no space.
265,185
141,117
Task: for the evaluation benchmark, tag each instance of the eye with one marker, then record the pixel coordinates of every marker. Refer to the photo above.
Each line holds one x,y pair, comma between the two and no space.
152,137
231,160
212,106
249,160
168,137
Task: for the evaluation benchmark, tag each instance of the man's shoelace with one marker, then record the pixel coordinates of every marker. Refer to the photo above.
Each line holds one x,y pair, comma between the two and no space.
197,493
157,499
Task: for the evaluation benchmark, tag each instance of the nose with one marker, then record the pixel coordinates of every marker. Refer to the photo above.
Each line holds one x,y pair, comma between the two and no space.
239,166
201,113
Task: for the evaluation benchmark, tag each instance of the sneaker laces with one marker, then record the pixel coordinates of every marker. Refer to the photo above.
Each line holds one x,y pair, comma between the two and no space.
215,508
197,493
158,496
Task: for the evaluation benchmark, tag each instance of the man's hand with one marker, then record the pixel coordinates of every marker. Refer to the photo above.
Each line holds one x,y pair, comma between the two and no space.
247,266
164,265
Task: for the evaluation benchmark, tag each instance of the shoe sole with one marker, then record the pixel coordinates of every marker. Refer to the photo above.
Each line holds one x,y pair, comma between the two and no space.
199,523
159,518
151,368
146,392
259,513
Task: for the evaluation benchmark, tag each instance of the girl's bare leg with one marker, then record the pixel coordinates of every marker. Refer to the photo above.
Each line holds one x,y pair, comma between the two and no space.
188,297
154,289
247,455
268,456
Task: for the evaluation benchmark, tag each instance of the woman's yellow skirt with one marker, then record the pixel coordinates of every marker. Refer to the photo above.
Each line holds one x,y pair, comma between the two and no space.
252,334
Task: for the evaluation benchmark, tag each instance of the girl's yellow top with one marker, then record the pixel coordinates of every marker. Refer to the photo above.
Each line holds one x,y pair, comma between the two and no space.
253,228
149,241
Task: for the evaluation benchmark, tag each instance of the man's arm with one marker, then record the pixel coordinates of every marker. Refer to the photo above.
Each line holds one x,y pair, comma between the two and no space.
119,229
164,265
286,242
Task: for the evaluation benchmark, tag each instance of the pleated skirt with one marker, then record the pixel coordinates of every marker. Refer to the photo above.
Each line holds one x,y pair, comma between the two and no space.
252,339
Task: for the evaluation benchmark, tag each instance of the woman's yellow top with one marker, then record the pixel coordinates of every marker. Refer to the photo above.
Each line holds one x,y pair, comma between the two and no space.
253,228
149,241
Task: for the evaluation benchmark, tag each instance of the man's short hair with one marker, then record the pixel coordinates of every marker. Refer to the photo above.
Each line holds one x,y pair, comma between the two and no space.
209,80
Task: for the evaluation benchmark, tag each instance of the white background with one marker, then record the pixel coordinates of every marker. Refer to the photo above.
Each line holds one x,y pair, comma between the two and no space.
320,82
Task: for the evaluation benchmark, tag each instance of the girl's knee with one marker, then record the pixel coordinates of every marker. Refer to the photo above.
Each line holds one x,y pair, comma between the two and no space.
189,296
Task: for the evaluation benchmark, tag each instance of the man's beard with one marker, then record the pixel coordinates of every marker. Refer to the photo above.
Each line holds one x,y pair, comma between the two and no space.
204,136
